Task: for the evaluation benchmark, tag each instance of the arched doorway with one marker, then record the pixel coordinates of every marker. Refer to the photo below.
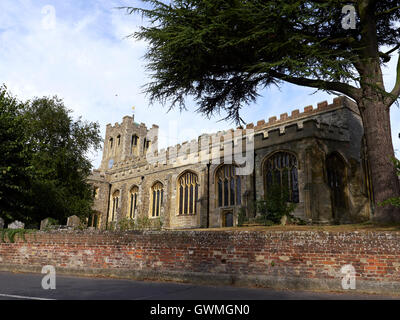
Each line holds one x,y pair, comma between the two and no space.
336,174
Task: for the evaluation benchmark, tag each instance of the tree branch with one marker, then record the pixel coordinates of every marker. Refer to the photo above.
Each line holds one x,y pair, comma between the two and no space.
344,88
393,49
387,11
394,94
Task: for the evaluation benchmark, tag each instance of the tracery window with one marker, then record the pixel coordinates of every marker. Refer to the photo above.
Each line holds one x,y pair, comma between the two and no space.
114,207
188,188
281,169
228,186
133,201
157,194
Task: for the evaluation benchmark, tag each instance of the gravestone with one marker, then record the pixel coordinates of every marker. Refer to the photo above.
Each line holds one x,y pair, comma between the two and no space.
283,220
44,223
1,223
73,221
16,225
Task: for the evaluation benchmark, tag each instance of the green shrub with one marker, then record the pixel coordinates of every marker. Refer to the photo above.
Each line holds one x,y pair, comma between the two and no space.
52,222
11,234
276,206
126,224
111,225
143,223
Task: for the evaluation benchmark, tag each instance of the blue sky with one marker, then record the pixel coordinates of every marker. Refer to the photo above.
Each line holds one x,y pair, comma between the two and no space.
78,50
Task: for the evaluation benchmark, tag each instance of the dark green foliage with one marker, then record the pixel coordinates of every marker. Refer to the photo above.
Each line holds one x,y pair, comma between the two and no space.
12,233
44,164
275,206
223,51
15,170
59,157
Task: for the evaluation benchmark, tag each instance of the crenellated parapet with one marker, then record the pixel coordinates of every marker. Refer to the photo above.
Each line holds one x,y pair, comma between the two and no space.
309,129
309,111
312,122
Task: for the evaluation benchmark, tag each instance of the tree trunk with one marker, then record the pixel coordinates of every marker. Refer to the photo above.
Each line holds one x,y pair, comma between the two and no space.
376,120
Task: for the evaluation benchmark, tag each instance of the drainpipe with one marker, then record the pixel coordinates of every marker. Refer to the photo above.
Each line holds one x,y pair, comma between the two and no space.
208,194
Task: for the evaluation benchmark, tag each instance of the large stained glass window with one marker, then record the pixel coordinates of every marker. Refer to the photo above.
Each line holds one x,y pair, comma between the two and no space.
157,192
188,190
228,186
281,169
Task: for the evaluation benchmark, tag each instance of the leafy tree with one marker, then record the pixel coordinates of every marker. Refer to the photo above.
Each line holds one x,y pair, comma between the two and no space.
15,170
59,147
223,52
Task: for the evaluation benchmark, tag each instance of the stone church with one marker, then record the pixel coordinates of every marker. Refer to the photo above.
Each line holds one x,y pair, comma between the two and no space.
318,155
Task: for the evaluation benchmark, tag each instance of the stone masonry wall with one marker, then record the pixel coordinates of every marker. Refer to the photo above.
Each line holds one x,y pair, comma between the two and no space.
277,259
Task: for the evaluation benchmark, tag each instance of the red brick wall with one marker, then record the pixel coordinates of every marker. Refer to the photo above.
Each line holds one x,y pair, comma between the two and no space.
293,259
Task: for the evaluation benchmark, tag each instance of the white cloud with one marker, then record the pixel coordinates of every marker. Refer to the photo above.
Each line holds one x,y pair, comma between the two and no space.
87,60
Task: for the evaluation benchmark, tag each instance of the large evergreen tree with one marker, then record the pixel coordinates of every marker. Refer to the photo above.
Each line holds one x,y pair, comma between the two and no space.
223,52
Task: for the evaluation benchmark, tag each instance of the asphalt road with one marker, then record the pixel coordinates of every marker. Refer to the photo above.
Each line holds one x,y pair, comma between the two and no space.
28,287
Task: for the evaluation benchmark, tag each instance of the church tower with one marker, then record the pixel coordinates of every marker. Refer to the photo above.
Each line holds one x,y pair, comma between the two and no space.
126,140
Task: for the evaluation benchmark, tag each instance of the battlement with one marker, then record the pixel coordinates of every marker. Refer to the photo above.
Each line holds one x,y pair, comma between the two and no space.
127,120
298,125
193,152
296,115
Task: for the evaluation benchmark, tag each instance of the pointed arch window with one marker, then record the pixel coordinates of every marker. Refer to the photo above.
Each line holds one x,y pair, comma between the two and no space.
134,140
111,143
281,169
157,195
188,192
228,186
134,144
114,206
133,201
